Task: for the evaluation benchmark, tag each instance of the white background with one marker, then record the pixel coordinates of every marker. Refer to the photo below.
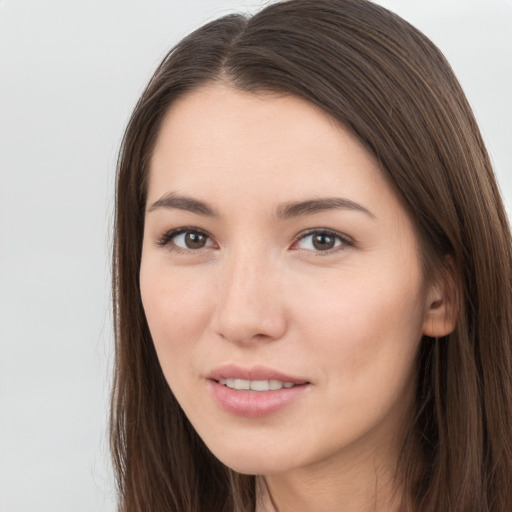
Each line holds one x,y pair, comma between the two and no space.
70,73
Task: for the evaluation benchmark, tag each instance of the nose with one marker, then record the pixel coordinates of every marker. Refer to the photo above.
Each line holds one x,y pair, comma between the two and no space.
250,307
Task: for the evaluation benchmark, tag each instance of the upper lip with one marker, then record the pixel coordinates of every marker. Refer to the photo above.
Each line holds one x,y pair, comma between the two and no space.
231,371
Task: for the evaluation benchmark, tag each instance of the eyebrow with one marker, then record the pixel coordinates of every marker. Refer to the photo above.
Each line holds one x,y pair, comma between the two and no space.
179,202
285,211
312,206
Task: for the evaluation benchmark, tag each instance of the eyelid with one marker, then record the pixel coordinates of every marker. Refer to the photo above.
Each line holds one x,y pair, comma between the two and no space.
346,241
166,239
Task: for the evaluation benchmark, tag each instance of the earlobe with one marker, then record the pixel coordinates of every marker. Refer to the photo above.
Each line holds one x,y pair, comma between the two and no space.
441,306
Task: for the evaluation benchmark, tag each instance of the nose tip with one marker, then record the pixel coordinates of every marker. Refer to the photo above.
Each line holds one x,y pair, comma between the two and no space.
249,309
244,323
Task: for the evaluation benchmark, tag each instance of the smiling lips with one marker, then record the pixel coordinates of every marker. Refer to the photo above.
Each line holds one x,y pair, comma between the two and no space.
253,392
255,385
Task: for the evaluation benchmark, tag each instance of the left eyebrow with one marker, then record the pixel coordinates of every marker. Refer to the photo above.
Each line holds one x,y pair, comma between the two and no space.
179,202
312,206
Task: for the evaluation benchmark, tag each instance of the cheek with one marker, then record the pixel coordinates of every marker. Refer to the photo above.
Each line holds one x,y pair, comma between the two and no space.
369,325
177,309
362,336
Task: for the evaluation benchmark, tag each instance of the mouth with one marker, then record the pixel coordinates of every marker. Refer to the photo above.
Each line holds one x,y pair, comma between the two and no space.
257,385
254,378
256,391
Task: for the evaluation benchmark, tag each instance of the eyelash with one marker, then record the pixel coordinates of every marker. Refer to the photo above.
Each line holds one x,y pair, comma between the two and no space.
168,237
345,241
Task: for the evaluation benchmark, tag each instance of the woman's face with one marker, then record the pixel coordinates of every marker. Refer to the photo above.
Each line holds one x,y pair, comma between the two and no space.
276,257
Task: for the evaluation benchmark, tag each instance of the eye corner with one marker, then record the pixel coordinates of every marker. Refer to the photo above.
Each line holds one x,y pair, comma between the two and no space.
327,241
163,240
194,240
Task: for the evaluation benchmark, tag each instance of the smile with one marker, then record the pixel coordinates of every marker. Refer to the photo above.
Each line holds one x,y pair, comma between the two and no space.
255,391
255,385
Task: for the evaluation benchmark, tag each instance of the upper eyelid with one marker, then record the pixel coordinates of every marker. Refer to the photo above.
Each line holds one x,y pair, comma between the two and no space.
328,231
166,237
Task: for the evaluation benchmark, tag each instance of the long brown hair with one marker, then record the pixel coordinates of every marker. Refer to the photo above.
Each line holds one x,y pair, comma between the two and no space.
388,84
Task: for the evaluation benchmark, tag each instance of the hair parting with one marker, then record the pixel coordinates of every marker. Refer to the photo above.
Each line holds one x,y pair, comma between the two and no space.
392,88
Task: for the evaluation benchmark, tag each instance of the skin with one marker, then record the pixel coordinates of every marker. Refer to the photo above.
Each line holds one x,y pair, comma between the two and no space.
348,320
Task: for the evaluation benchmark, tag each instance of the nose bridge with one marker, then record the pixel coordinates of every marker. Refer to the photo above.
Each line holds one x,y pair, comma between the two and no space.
248,306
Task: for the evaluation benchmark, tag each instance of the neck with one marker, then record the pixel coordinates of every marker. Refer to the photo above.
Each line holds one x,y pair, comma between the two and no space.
362,484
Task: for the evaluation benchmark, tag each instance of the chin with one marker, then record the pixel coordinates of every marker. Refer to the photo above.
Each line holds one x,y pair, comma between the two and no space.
253,461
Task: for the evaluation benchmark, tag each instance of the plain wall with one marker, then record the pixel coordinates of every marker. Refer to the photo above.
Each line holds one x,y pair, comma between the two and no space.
70,73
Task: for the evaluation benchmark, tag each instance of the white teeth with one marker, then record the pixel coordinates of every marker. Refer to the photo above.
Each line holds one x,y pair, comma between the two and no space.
242,384
255,385
275,384
260,385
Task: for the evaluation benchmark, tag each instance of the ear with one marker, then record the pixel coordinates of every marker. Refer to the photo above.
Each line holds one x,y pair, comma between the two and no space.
441,307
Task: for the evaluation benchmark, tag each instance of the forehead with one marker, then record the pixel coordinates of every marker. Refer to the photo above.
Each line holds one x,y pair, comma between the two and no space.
217,141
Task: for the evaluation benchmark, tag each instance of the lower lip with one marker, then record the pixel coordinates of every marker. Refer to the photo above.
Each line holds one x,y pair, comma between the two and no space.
254,404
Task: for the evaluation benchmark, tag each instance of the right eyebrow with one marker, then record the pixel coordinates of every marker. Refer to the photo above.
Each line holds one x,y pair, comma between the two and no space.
176,201
312,206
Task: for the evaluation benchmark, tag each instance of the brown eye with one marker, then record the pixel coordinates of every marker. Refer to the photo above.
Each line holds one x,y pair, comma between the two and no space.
195,240
322,241
186,239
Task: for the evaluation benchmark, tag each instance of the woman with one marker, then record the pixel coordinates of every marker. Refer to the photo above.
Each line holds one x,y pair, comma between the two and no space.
312,276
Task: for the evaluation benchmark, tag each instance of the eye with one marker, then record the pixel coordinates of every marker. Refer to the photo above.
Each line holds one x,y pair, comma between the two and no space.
186,239
321,241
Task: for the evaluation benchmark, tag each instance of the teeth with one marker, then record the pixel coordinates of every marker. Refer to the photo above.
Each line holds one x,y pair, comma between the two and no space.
259,385
255,385
275,384
242,384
